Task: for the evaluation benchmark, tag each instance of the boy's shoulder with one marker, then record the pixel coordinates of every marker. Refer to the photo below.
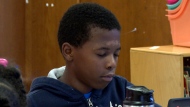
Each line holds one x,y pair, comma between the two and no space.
119,80
119,77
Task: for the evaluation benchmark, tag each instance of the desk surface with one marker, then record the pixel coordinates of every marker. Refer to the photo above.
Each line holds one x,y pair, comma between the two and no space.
168,49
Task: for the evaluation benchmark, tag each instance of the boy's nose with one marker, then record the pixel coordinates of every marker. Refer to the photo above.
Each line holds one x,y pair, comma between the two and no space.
111,63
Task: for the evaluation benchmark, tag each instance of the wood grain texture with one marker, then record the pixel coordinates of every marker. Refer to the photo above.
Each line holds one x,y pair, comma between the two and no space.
12,30
42,50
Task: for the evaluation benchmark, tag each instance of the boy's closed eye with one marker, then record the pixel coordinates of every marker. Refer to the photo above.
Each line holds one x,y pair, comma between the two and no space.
103,54
116,54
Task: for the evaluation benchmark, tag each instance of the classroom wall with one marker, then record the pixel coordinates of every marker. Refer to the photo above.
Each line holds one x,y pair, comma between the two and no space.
28,33
12,32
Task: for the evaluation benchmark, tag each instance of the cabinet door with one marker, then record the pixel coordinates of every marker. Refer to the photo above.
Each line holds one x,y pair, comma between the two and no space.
42,50
12,40
161,72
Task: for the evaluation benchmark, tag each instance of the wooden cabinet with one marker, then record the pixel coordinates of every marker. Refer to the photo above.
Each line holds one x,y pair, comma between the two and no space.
159,68
12,39
42,50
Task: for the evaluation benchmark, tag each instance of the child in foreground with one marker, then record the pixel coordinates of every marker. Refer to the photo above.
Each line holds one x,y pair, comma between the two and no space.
12,91
89,40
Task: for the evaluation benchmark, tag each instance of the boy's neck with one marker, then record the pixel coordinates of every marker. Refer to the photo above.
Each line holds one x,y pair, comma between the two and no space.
69,78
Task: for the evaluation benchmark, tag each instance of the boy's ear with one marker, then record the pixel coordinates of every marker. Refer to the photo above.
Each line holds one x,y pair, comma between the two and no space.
67,51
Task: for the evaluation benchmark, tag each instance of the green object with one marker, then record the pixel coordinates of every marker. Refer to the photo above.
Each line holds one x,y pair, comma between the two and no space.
173,6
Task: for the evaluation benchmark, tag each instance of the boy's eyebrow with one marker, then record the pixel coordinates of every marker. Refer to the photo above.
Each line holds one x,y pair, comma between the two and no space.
105,48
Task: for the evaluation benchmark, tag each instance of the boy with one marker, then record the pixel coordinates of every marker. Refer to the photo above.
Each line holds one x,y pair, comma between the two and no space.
89,40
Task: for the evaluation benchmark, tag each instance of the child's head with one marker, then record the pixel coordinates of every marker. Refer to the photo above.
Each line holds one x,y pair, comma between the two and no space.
12,92
77,22
8,97
89,39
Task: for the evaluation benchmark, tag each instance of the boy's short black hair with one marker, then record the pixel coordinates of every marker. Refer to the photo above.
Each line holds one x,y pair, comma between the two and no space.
12,91
77,22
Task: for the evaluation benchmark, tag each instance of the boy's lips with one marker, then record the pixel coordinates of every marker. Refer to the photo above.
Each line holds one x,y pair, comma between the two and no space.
108,77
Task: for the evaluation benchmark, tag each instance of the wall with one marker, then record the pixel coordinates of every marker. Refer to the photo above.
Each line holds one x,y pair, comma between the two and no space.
12,31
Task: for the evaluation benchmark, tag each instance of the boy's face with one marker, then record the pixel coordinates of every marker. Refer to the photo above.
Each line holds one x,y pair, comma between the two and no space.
95,63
